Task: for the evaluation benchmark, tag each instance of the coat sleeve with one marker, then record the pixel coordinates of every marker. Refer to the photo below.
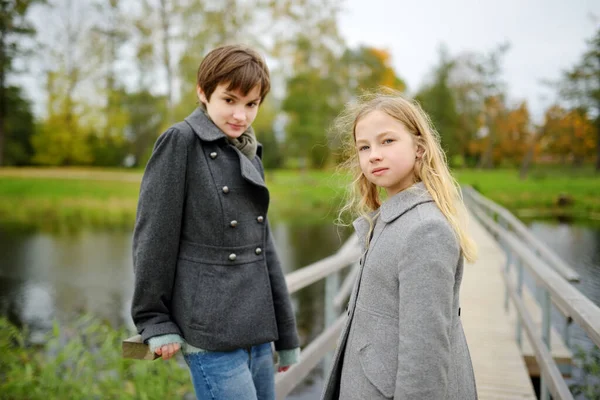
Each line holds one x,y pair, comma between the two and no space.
156,235
284,313
426,277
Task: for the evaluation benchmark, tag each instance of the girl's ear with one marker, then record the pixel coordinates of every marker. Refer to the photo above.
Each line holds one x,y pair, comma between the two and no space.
420,151
201,95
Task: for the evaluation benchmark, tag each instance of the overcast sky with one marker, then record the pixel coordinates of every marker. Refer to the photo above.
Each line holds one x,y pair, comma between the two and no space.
545,37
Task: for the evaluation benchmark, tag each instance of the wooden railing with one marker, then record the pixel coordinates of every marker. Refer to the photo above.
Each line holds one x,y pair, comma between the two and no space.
335,295
551,274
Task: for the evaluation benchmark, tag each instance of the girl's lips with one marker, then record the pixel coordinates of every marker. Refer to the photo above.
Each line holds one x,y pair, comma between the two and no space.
237,127
379,171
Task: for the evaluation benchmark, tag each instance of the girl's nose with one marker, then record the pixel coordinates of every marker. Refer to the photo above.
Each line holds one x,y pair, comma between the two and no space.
239,114
374,155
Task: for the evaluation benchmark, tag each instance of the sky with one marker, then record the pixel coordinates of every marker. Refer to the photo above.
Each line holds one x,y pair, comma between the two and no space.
545,37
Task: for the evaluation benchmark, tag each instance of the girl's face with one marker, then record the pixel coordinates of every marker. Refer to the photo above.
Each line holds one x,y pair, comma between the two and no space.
386,151
231,111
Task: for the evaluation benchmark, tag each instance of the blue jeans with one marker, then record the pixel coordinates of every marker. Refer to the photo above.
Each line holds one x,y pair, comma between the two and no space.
243,374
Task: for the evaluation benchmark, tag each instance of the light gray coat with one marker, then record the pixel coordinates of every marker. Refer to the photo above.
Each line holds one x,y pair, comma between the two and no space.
204,259
403,338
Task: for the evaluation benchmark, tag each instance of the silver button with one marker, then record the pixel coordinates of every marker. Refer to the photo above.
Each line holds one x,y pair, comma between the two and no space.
232,257
233,223
213,155
260,219
258,250
225,189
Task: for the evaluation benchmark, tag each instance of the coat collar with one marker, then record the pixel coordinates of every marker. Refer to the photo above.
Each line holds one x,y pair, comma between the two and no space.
394,207
204,128
207,131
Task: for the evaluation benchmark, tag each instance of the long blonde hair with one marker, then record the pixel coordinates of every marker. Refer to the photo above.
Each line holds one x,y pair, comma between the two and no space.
431,168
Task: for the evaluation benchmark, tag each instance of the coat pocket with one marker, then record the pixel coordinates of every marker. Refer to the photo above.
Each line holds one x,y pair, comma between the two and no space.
376,371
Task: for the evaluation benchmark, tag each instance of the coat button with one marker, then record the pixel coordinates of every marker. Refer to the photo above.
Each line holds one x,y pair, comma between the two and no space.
233,223
260,219
258,251
232,257
225,189
213,155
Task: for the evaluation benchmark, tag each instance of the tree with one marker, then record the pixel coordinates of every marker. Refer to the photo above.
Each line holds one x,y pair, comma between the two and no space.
13,27
264,128
492,92
20,126
368,68
513,135
581,87
308,50
64,138
310,111
568,135
437,98
108,36
146,118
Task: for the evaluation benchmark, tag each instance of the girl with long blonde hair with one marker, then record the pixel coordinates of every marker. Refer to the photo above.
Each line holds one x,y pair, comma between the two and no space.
403,337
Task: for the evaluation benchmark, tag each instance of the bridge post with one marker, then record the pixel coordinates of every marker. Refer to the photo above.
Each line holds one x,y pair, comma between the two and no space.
507,269
332,284
519,265
546,305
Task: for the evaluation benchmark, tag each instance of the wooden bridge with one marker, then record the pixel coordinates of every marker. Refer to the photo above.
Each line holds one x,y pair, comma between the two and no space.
507,324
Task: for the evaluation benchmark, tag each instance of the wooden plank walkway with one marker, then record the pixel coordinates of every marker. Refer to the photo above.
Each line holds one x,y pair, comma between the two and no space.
500,370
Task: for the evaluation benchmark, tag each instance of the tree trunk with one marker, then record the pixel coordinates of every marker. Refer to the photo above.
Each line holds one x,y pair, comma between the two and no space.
165,22
598,143
486,161
2,97
527,161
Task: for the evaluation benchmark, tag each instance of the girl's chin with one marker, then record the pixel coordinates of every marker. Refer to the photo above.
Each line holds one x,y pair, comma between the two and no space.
234,134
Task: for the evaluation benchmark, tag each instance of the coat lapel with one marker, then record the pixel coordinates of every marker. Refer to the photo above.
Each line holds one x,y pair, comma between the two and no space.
249,170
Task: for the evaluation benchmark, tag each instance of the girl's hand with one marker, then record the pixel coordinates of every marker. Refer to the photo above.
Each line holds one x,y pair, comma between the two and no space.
283,369
167,351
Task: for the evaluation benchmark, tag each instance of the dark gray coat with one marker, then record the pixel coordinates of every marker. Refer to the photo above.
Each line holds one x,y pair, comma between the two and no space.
204,259
403,338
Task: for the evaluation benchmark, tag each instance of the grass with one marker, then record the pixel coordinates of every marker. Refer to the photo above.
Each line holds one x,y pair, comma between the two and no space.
82,360
70,198
538,196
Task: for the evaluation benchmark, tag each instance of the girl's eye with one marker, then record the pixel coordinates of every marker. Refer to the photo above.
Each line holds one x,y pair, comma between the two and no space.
252,105
387,141
361,148
228,101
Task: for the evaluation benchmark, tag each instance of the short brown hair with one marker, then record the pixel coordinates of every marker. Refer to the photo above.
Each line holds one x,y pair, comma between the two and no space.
242,67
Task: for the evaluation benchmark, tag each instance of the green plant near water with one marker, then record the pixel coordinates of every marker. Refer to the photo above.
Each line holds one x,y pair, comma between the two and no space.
83,361
589,362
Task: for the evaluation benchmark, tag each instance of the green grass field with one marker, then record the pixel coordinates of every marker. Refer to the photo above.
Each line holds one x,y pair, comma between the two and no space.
67,199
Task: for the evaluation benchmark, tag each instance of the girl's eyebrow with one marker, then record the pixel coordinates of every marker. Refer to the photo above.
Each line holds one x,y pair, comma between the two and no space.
230,94
378,136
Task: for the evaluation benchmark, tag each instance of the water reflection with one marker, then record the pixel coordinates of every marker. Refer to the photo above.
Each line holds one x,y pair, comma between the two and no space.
47,277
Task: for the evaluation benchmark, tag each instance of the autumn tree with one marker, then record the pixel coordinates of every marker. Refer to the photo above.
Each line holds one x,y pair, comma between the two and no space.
581,88
568,135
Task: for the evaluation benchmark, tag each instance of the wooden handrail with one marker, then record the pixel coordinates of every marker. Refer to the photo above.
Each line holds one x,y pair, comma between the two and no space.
581,309
348,253
544,252
310,357
552,376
